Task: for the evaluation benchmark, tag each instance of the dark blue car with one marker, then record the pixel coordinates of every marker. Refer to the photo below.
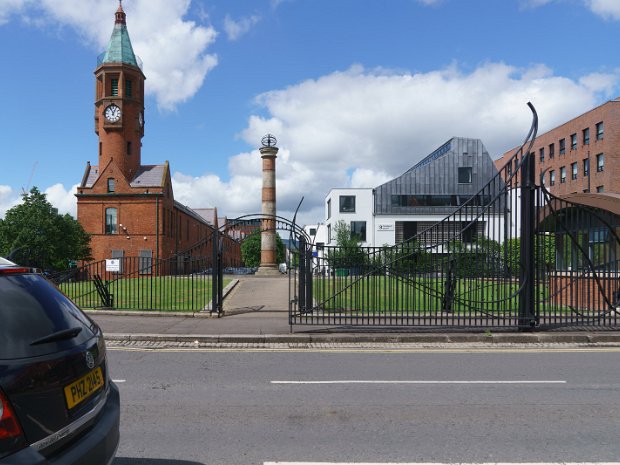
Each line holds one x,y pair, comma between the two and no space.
58,404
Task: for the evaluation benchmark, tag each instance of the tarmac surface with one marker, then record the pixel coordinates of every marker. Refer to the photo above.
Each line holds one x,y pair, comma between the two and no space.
256,313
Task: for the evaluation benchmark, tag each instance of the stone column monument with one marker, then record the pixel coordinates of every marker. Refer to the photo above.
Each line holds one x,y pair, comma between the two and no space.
268,262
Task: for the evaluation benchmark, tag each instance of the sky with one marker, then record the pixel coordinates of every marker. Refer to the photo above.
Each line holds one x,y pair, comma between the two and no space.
356,91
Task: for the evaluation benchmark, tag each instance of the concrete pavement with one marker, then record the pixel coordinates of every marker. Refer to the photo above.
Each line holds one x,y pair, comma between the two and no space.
256,311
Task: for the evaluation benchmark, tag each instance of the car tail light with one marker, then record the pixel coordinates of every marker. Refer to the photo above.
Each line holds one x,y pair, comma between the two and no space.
17,270
11,435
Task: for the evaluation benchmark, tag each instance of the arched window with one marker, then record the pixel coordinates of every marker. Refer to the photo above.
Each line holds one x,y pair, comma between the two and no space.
110,221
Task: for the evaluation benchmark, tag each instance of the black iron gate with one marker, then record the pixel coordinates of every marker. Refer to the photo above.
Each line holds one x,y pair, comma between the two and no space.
512,256
298,258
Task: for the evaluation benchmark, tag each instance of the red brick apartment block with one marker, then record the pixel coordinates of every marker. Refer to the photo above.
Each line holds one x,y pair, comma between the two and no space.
581,155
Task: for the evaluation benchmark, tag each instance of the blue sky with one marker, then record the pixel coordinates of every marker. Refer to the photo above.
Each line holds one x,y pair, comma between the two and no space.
356,91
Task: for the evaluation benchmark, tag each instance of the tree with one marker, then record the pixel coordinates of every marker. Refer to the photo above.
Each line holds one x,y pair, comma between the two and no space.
37,235
480,258
347,254
407,257
544,248
250,250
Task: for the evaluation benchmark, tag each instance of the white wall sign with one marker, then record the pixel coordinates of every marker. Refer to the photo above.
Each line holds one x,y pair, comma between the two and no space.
112,264
385,227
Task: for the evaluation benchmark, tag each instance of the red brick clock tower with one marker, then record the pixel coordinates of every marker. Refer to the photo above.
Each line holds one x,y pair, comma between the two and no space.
120,201
119,104
128,208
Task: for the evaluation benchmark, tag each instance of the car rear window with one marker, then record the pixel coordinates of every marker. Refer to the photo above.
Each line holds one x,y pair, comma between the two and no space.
32,308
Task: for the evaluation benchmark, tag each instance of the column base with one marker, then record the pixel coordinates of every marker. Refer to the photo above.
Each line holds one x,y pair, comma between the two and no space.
268,270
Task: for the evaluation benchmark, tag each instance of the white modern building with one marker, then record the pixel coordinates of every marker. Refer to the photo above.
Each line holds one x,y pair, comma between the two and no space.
433,189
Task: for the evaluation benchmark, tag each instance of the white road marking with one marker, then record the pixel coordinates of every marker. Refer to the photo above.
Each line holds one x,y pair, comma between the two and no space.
118,380
372,381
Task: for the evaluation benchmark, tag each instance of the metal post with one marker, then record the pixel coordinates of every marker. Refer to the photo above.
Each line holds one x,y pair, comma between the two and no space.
308,273
220,275
214,273
302,272
527,283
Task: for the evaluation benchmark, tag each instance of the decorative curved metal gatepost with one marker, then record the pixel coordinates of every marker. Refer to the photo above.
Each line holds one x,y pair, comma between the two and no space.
527,310
217,274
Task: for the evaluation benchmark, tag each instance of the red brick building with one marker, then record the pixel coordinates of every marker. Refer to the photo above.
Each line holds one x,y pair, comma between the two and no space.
579,161
580,156
127,207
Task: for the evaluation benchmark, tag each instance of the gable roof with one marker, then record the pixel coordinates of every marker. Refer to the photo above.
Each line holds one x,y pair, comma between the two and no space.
209,215
147,176
435,182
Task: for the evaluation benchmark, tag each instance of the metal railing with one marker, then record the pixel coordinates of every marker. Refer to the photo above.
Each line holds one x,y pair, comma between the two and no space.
525,259
176,284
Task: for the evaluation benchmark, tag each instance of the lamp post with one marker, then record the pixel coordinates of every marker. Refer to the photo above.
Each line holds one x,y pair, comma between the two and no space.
268,265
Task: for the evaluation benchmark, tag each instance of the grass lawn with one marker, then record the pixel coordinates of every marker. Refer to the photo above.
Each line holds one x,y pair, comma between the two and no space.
416,295
162,293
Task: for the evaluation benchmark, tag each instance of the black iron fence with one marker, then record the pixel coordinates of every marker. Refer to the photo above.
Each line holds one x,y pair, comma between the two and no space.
177,284
512,256
578,272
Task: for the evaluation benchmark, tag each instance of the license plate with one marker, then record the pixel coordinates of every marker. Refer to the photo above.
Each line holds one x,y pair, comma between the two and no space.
84,387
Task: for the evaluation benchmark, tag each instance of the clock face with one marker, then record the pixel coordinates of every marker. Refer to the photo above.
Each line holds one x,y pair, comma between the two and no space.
140,119
112,113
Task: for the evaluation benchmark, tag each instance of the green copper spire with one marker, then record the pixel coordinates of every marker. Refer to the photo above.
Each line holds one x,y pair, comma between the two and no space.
119,49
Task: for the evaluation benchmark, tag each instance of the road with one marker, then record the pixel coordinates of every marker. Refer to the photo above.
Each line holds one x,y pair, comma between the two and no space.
259,407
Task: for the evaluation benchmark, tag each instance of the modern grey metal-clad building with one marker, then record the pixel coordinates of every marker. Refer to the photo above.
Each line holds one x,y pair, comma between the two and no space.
440,182
434,188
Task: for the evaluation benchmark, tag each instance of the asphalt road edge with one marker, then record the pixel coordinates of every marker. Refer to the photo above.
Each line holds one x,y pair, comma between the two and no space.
540,338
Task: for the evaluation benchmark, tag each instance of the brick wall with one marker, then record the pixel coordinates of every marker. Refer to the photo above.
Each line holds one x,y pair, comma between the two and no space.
609,115
583,292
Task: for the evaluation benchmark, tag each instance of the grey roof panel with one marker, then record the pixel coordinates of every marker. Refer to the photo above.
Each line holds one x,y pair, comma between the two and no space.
149,176
208,214
92,176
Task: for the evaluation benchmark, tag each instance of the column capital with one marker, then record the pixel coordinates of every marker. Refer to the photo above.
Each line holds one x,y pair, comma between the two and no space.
268,152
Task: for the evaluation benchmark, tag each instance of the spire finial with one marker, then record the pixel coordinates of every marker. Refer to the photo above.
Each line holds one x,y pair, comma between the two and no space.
120,14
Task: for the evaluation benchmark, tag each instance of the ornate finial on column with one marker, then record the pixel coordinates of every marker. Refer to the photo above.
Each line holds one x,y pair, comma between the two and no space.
269,141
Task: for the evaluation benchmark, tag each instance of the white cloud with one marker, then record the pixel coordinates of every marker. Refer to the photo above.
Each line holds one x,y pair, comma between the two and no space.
8,199
173,49
606,8
62,199
600,82
363,177
9,8
236,29
360,127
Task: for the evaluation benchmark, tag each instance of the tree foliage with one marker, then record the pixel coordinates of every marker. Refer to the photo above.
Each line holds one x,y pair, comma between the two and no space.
250,250
480,258
544,248
407,257
347,254
37,235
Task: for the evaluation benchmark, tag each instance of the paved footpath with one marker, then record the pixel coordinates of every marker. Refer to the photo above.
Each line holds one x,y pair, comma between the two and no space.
254,293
